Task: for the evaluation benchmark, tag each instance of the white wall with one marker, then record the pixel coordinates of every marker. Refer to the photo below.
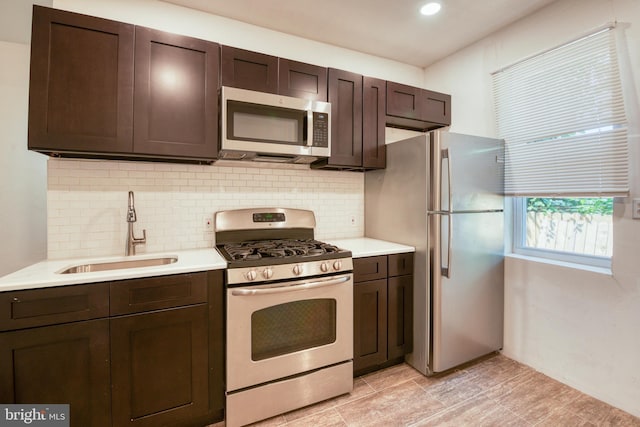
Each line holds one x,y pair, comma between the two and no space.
577,326
177,19
22,173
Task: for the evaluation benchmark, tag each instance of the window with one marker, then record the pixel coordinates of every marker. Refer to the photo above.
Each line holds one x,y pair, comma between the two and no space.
578,230
562,116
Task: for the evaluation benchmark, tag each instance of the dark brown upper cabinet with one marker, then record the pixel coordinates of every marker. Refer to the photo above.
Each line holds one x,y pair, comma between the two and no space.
345,96
245,69
413,108
302,80
175,97
357,122
81,84
374,150
102,88
249,70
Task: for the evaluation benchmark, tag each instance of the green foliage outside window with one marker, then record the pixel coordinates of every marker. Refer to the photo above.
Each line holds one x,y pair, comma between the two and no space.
583,206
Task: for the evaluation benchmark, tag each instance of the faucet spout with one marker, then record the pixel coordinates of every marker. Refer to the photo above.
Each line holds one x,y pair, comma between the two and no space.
132,241
131,212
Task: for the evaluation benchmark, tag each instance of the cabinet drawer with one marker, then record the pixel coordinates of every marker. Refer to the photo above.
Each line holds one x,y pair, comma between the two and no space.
400,264
154,293
369,268
40,307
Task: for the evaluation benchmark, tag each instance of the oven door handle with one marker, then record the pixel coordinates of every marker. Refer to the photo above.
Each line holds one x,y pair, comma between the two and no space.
280,288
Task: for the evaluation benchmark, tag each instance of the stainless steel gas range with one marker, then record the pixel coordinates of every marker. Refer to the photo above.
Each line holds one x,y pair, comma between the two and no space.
289,300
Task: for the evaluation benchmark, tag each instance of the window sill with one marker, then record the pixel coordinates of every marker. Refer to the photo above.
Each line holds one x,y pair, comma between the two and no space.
599,270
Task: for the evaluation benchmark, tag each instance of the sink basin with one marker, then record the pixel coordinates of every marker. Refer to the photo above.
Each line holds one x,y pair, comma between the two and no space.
118,265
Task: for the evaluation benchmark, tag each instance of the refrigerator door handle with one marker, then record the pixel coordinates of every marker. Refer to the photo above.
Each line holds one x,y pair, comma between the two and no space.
446,271
445,155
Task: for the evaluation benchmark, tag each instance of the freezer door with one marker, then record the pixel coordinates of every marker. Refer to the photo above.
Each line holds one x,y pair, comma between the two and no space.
466,306
475,169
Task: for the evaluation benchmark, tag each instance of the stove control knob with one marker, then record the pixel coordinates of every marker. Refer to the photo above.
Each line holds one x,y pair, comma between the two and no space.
251,275
337,265
267,273
324,267
297,269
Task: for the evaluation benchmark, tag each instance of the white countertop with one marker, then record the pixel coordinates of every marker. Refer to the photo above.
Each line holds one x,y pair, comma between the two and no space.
364,246
44,273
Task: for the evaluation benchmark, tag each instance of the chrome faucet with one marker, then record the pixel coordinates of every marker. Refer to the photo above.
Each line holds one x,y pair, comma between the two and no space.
132,241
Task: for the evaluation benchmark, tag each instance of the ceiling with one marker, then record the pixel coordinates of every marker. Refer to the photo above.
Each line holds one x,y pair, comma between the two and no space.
391,29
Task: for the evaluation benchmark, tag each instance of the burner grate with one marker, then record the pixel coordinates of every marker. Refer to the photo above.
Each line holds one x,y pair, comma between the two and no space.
286,248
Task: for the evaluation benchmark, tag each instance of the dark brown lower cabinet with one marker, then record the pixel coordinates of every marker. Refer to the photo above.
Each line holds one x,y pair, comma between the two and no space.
159,367
400,324
370,324
382,311
61,364
139,352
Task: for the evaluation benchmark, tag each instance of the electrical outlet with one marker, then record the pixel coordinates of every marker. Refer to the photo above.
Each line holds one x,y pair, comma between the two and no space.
635,208
208,225
353,220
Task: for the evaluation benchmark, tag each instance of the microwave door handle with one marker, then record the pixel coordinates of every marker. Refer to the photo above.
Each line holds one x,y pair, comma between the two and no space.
309,128
276,289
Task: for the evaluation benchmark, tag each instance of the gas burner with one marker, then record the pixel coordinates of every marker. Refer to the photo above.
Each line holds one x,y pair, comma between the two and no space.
269,244
284,248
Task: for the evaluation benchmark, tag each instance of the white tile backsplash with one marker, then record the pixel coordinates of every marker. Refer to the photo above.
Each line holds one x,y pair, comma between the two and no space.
87,202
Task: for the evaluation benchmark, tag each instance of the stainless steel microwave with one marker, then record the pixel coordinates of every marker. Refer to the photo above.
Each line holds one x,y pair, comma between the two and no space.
273,128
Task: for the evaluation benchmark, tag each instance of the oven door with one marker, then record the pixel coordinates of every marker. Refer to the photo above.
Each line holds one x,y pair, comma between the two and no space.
287,328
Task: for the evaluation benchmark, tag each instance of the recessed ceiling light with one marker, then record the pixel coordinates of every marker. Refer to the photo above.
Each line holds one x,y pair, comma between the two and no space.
430,8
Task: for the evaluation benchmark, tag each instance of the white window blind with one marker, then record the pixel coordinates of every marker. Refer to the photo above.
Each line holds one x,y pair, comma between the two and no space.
562,116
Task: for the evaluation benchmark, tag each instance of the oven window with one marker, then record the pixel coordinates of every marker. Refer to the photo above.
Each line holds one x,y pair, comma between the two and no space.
291,327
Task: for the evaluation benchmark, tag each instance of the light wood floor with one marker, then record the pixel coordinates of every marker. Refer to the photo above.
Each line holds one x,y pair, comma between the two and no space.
493,392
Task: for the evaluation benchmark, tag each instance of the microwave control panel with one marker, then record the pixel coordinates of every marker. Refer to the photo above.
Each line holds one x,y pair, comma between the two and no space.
320,129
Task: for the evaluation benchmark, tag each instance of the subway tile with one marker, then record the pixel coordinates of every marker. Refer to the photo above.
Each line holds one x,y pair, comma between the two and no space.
92,196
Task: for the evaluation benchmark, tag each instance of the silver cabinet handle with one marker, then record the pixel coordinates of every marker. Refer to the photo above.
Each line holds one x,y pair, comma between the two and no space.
446,270
281,288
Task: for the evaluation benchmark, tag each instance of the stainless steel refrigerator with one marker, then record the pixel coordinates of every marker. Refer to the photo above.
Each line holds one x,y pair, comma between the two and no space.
442,193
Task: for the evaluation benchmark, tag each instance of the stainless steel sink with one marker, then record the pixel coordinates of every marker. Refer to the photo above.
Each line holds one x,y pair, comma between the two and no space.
118,265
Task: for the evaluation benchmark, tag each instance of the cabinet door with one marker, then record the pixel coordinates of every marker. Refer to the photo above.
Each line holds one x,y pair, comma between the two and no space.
176,104
216,344
374,149
437,107
249,70
370,325
400,305
345,96
81,84
62,364
160,367
302,80
404,101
